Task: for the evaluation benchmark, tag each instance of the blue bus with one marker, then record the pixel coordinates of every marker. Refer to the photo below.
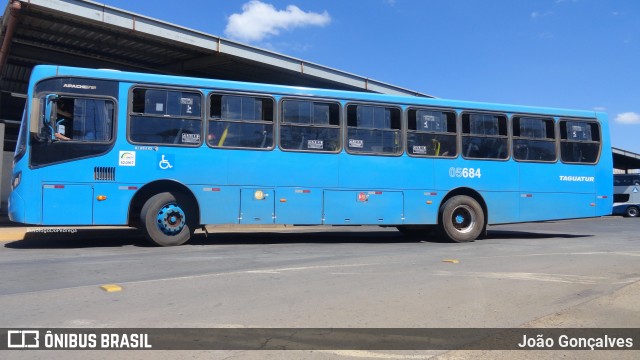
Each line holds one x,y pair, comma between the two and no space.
169,154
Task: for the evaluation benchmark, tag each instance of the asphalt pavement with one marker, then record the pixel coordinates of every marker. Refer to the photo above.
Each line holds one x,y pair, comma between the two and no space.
285,264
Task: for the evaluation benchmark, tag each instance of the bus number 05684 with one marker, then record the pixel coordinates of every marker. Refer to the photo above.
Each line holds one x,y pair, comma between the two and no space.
465,172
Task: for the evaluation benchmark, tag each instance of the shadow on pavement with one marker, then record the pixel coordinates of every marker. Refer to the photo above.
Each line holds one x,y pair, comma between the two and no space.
109,238
131,237
81,238
509,234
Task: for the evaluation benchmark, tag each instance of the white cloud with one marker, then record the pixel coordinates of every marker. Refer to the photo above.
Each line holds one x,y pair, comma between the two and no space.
628,118
600,108
259,20
538,14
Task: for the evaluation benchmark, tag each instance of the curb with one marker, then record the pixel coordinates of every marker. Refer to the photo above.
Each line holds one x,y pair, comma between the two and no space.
13,234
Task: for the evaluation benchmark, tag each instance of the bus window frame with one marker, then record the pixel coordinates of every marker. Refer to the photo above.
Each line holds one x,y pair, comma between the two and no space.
401,131
36,118
556,139
560,140
462,134
208,118
166,88
456,134
340,127
39,111
23,137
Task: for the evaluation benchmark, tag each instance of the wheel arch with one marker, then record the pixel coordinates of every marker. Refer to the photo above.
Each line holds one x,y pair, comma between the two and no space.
473,194
155,187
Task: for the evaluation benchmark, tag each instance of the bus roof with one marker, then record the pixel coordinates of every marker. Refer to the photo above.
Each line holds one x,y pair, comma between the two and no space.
44,71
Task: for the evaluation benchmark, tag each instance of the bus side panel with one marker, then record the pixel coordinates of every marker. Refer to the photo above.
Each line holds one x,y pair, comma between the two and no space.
556,191
421,206
277,168
546,206
218,205
363,207
257,206
302,206
478,175
67,204
112,210
385,172
502,206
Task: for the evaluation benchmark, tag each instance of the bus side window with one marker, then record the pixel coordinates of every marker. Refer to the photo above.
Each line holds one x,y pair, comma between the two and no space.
310,126
579,141
162,116
431,133
533,139
237,121
374,130
484,136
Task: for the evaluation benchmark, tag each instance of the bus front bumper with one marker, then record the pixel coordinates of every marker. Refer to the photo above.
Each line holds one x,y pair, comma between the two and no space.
16,208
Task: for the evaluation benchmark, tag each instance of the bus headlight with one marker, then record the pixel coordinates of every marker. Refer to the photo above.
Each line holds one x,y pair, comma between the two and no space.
17,177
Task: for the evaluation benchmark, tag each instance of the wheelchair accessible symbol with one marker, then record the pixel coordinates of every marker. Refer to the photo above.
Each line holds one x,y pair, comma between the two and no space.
166,162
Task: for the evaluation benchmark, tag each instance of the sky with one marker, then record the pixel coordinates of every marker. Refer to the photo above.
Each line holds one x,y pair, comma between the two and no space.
574,54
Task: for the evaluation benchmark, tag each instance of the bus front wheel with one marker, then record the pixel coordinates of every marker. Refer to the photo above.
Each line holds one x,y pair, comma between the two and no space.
461,219
167,219
632,211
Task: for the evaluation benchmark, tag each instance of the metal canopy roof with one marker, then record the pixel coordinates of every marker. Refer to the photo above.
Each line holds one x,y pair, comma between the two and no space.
625,160
89,34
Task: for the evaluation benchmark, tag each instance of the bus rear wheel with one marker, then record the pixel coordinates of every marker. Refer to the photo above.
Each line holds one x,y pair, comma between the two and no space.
167,219
632,211
461,219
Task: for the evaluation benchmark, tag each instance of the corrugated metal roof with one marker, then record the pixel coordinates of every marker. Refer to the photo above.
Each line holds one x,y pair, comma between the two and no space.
625,160
89,34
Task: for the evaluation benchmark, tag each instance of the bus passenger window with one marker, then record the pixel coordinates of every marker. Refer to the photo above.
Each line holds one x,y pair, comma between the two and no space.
160,116
310,126
240,121
484,136
374,130
534,139
579,141
431,133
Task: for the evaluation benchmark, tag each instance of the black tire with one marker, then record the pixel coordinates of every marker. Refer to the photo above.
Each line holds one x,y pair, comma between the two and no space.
168,219
632,211
461,219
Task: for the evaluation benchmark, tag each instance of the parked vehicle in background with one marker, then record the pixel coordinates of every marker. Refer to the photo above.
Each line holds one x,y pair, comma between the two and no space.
626,195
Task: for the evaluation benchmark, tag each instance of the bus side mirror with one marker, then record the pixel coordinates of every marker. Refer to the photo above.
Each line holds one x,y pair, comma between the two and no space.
50,114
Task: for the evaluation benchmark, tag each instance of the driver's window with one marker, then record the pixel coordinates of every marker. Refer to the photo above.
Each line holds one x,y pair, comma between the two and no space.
78,119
